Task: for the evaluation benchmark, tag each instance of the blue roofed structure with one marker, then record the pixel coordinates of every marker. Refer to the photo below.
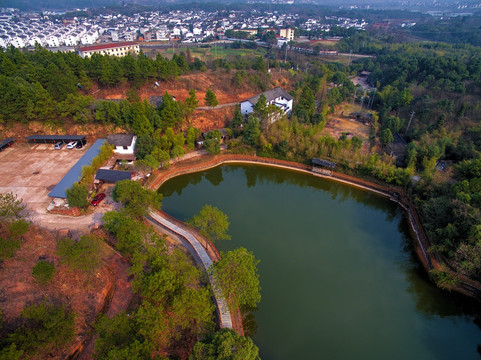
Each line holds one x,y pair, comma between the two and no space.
75,172
6,143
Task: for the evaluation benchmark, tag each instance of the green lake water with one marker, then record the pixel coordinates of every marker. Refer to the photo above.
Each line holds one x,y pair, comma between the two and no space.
338,276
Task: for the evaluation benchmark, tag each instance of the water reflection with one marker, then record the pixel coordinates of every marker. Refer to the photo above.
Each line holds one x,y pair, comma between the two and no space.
255,174
362,229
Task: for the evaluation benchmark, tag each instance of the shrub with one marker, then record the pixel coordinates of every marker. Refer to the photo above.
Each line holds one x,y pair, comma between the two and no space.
8,247
43,272
45,326
77,196
84,255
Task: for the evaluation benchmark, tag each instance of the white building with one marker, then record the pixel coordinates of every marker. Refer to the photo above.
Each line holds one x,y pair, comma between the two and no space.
117,49
162,35
124,143
287,33
276,96
17,42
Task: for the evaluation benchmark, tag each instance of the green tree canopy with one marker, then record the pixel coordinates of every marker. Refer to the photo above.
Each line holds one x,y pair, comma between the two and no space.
77,196
252,131
386,137
170,112
211,222
210,98
191,102
84,255
306,106
225,344
238,277
212,142
46,326
10,207
135,198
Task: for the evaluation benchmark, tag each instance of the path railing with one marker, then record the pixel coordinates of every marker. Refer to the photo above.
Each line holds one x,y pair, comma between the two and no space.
223,311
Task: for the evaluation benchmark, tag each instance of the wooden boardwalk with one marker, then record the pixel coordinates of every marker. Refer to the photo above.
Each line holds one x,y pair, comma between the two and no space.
225,318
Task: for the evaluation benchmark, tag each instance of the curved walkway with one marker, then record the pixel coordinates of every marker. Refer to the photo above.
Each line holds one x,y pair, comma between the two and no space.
225,318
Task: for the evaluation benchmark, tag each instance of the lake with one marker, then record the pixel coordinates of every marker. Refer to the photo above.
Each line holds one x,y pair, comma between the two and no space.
338,274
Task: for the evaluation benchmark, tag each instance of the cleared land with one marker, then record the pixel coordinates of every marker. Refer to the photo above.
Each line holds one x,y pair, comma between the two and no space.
203,53
32,171
340,122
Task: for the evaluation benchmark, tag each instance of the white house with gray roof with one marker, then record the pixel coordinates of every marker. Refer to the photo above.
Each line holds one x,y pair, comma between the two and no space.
276,96
124,143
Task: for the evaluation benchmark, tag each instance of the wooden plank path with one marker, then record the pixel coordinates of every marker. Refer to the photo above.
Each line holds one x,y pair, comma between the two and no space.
222,308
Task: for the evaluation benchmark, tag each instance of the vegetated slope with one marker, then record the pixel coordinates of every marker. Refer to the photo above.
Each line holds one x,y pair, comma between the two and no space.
221,82
85,296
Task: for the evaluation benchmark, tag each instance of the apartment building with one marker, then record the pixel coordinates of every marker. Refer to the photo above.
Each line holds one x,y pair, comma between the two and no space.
117,49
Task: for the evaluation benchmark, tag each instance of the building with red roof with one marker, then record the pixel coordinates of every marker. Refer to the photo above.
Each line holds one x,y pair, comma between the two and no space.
114,49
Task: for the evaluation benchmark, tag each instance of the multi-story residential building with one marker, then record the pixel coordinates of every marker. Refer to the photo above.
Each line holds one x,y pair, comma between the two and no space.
287,33
118,49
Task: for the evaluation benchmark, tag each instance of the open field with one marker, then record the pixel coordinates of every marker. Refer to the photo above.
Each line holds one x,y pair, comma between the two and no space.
324,43
203,53
340,122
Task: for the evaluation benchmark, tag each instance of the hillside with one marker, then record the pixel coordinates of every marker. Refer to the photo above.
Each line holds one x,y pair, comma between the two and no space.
220,81
85,295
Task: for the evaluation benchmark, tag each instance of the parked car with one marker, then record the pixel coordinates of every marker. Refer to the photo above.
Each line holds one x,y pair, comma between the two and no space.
72,145
97,199
80,144
59,145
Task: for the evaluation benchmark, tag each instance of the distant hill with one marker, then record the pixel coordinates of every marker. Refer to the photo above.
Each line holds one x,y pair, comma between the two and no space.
56,4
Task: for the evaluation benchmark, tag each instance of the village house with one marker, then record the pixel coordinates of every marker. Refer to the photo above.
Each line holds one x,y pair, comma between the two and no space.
276,96
124,145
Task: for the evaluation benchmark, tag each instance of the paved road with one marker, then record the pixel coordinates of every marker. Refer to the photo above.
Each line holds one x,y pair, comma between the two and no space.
205,260
217,107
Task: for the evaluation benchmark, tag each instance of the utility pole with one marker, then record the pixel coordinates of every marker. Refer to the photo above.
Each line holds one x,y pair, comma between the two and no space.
371,100
350,53
354,98
409,123
362,100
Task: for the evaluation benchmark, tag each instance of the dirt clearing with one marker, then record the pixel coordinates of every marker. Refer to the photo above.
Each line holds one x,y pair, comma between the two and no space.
32,171
341,123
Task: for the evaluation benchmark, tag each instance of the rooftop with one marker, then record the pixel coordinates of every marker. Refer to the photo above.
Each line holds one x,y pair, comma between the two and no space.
270,95
120,139
107,46
75,172
7,142
49,138
112,175
325,163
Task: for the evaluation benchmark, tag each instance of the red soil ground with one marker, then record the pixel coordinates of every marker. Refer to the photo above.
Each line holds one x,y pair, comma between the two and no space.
109,289
220,81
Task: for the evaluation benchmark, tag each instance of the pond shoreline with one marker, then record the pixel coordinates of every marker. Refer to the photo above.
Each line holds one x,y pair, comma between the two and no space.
429,260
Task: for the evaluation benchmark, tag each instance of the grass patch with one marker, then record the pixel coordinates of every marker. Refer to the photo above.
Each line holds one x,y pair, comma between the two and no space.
43,272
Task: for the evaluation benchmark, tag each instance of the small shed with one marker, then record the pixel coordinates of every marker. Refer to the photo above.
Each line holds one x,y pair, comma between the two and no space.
6,143
323,167
112,176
